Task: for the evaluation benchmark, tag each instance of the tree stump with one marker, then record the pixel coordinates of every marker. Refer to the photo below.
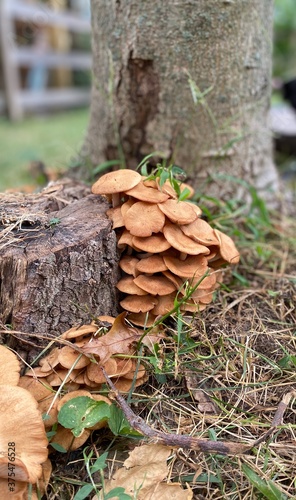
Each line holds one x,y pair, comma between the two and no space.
58,263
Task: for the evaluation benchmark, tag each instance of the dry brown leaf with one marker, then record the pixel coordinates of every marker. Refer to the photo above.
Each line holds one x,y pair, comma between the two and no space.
119,340
143,473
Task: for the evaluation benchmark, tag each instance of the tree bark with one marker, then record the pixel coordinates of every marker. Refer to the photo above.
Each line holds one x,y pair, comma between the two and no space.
191,79
58,261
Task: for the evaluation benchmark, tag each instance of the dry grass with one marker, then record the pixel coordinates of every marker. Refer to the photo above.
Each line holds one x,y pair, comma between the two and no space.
222,375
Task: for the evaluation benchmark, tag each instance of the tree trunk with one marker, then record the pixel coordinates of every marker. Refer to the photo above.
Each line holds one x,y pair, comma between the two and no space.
191,79
58,263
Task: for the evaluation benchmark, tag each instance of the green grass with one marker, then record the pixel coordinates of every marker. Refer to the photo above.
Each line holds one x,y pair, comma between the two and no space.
52,139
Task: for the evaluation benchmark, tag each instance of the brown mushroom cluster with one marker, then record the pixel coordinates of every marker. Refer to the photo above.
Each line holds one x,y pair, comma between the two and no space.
79,375
23,441
165,245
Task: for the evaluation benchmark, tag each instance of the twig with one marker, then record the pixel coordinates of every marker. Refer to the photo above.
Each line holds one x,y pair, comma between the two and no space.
278,417
175,440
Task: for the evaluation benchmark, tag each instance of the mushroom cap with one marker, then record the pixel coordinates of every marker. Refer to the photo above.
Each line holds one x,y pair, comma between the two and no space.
116,182
192,306
142,319
65,438
165,304
155,285
202,296
68,356
179,212
138,303
21,423
178,282
50,361
57,377
152,264
95,373
126,206
9,367
43,481
37,371
193,265
126,238
106,319
39,389
143,219
81,331
128,263
124,385
148,194
124,365
177,239
127,285
116,216
201,232
208,282
155,244
133,375
228,250
52,415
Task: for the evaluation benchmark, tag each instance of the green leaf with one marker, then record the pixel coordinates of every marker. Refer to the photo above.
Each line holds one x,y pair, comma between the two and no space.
82,412
178,172
99,464
184,194
176,186
84,492
267,488
119,493
118,424
58,447
163,177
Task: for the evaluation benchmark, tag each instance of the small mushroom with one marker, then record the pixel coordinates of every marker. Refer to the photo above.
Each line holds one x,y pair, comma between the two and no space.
127,285
177,239
22,425
142,319
143,219
115,183
154,244
147,194
151,265
65,438
136,304
201,232
228,250
193,265
81,331
155,285
128,264
95,373
67,356
50,361
179,212
165,304
116,216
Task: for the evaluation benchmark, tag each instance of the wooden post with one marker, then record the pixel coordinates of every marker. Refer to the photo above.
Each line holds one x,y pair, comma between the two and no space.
12,83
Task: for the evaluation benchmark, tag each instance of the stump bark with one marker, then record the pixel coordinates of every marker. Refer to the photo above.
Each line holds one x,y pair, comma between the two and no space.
58,263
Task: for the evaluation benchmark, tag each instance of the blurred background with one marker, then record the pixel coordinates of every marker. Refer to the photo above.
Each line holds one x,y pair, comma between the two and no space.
45,79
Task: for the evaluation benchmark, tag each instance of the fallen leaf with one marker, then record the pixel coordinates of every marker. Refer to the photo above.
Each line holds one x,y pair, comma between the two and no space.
143,473
119,340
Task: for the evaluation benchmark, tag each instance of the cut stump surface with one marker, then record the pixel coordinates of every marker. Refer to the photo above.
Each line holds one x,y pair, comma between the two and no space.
58,260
